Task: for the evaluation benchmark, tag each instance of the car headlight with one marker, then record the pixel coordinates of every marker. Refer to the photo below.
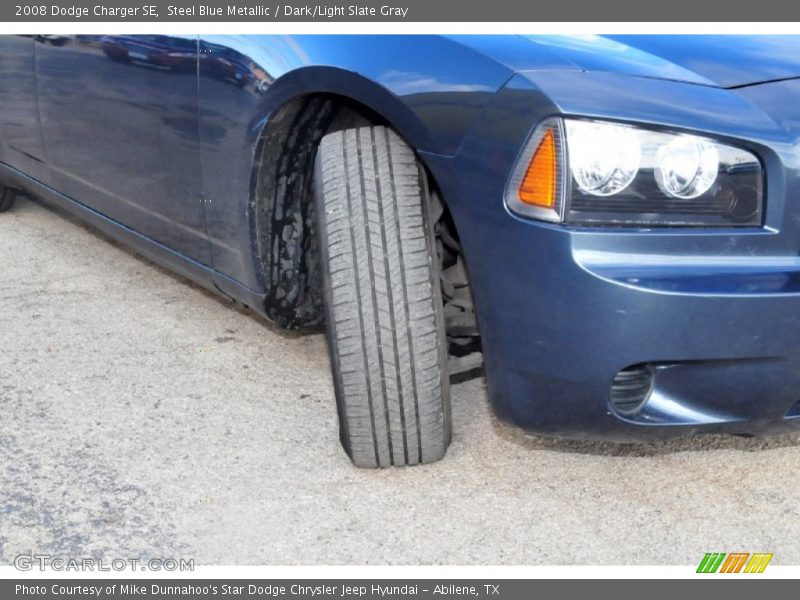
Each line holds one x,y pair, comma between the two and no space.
601,173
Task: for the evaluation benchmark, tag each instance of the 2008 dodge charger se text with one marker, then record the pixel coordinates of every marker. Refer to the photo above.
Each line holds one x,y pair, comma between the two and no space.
608,225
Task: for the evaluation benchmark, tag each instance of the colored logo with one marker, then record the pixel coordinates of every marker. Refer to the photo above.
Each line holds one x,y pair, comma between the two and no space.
735,562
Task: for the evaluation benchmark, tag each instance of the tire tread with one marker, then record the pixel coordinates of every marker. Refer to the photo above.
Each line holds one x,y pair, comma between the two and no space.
385,327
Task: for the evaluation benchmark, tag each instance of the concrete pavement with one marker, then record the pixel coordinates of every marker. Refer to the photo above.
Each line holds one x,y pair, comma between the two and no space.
141,416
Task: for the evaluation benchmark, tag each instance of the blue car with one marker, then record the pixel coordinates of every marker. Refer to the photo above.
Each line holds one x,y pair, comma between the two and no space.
607,226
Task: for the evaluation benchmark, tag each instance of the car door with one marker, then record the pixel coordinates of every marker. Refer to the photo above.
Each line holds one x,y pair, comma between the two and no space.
20,136
119,119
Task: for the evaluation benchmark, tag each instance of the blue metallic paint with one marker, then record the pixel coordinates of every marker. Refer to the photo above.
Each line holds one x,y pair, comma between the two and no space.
584,303
432,108
156,143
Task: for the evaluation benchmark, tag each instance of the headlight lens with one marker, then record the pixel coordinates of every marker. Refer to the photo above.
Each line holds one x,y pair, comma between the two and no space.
686,167
603,157
602,173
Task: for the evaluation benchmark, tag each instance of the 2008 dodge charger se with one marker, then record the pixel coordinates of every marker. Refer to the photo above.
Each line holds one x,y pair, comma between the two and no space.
609,226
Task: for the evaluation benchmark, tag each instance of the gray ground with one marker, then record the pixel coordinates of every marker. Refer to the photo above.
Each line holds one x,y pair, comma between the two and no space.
141,416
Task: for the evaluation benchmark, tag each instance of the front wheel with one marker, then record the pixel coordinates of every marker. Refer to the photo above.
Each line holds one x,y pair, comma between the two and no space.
384,312
7,198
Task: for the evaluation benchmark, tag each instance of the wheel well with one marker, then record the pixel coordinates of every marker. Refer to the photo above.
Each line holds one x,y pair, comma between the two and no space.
282,206
285,218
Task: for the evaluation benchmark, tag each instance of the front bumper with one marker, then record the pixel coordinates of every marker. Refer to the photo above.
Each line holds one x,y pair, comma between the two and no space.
723,335
562,310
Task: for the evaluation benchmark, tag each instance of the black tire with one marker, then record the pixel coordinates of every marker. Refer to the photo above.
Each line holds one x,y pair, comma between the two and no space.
7,198
383,300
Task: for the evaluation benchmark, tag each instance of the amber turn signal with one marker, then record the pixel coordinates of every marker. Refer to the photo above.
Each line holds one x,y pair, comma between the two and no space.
538,186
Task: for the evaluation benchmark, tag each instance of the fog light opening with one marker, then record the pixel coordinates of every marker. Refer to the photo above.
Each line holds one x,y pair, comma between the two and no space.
631,388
